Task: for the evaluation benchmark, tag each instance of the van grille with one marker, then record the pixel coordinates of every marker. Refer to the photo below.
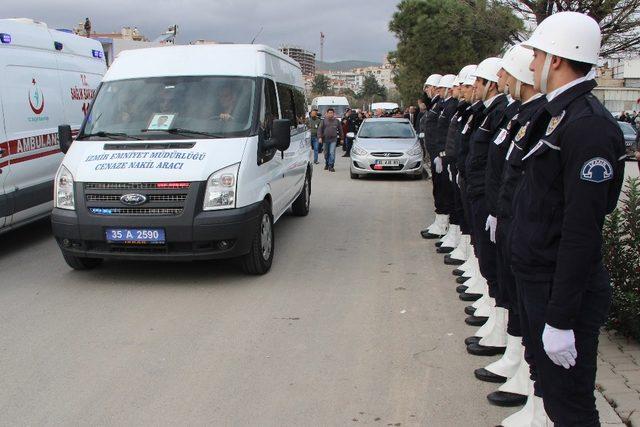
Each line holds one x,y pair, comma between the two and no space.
150,198
136,185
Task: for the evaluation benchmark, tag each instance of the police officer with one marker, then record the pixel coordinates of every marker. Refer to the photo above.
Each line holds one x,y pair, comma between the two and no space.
428,125
574,170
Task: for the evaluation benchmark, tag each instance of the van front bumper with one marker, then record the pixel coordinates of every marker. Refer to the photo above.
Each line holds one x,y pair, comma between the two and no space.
207,235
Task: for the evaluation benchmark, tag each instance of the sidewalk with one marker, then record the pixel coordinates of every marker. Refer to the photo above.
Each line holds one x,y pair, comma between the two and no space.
619,376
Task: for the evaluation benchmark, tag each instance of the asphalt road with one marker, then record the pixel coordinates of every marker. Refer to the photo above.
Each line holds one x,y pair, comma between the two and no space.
357,323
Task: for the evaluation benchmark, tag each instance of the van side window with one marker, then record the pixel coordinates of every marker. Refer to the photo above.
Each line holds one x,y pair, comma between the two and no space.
287,105
301,106
268,108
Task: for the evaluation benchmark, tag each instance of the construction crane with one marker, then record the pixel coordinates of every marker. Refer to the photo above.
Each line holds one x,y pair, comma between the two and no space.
321,46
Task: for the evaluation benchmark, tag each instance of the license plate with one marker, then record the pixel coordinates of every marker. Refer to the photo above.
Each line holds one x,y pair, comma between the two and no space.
388,162
139,236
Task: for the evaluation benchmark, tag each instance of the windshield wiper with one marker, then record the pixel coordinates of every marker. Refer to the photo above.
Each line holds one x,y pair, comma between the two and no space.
181,131
111,135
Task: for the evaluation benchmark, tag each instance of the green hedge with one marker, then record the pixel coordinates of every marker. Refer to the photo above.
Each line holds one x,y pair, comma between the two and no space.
621,250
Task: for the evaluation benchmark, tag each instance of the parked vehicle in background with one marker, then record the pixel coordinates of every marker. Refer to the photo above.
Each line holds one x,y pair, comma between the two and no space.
630,139
323,103
48,77
386,146
387,107
188,153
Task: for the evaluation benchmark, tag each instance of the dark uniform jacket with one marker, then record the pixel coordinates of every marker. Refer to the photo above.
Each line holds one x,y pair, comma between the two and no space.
574,169
512,170
471,119
479,147
453,133
495,158
449,107
428,124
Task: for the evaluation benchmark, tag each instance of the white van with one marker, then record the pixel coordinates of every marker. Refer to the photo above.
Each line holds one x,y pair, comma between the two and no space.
323,103
188,153
47,78
388,107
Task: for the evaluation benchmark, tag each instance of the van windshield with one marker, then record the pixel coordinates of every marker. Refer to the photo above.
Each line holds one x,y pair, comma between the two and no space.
172,107
339,109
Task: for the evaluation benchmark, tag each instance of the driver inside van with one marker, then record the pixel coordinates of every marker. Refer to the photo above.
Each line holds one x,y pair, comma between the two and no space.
227,102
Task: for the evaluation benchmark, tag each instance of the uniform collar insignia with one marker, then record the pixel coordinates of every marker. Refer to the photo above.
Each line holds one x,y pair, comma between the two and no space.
522,132
554,122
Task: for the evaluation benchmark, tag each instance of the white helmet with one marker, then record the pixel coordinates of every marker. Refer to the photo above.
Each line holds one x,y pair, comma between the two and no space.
569,35
464,74
516,62
447,81
471,78
488,69
433,80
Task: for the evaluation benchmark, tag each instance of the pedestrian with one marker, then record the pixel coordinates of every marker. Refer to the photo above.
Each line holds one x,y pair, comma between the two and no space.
329,133
313,123
345,128
349,120
87,27
573,174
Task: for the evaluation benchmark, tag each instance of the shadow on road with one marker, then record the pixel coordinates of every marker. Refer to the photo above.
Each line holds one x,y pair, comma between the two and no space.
24,237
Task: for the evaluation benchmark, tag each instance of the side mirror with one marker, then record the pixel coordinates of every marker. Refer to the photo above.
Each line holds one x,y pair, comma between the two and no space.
281,134
421,135
64,138
351,135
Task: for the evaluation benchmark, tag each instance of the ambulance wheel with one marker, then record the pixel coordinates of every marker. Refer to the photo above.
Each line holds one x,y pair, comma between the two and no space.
301,206
258,260
81,263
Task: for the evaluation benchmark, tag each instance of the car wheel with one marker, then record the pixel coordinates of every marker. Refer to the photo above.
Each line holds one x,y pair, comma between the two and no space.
81,263
302,204
418,176
354,175
260,257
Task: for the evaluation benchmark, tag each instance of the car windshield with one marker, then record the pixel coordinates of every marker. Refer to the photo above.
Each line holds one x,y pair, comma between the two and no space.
386,129
339,109
627,129
172,107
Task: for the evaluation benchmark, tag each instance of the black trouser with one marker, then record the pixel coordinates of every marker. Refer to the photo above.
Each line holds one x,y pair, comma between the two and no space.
457,215
485,249
567,393
348,143
507,292
442,194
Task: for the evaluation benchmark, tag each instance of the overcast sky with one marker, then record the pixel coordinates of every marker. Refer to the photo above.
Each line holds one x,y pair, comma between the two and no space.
354,29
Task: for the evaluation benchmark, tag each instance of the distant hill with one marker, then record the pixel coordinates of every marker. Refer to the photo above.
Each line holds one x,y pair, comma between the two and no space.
344,65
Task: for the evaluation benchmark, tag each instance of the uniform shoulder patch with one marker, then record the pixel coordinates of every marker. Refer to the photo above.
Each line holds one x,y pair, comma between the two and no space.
522,132
596,170
554,122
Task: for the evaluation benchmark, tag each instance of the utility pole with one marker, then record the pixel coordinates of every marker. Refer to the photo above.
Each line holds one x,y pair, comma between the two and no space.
321,46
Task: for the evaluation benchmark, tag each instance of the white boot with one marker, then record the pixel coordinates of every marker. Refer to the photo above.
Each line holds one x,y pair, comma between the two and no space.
474,269
487,327
440,226
531,415
508,364
452,238
485,309
497,336
469,263
461,252
477,285
520,382
484,300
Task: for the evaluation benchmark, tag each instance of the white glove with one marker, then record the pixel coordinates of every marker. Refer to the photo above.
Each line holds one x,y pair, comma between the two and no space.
458,179
437,162
492,223
560,346
450,174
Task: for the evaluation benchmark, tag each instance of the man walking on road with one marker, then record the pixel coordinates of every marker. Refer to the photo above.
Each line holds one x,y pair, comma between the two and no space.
313,123
329,132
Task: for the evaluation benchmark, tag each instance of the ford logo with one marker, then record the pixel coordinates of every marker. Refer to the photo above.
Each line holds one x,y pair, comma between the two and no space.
133,199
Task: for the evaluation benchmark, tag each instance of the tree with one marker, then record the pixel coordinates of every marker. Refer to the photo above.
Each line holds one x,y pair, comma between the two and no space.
372,89
619,19
321,85
442,36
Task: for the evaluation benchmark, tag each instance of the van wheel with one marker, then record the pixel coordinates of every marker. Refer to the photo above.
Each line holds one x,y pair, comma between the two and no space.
260,256
81,263
301,206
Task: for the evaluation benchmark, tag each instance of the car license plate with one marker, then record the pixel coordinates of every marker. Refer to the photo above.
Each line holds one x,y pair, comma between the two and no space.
388,162
139,236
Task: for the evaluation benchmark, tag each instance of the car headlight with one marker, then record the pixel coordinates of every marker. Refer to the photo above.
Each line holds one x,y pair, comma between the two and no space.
416,150
357,150
63,189
221,189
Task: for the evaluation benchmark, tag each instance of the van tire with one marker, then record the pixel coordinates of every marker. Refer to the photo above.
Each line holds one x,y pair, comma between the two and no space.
255,262
301,206
81,263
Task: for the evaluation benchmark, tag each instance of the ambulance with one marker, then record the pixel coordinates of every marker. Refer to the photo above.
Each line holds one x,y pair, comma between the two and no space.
188,153
47,78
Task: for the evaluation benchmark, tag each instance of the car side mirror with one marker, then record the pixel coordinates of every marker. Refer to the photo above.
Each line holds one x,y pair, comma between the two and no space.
351,135
421,135
64,138
281,134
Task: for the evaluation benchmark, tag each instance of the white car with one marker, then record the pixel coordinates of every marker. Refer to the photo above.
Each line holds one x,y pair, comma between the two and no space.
386,146
188,152
48,77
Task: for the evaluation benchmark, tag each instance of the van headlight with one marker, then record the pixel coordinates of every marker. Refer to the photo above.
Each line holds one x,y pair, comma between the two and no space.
358,151
221,189
415,150
63,190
